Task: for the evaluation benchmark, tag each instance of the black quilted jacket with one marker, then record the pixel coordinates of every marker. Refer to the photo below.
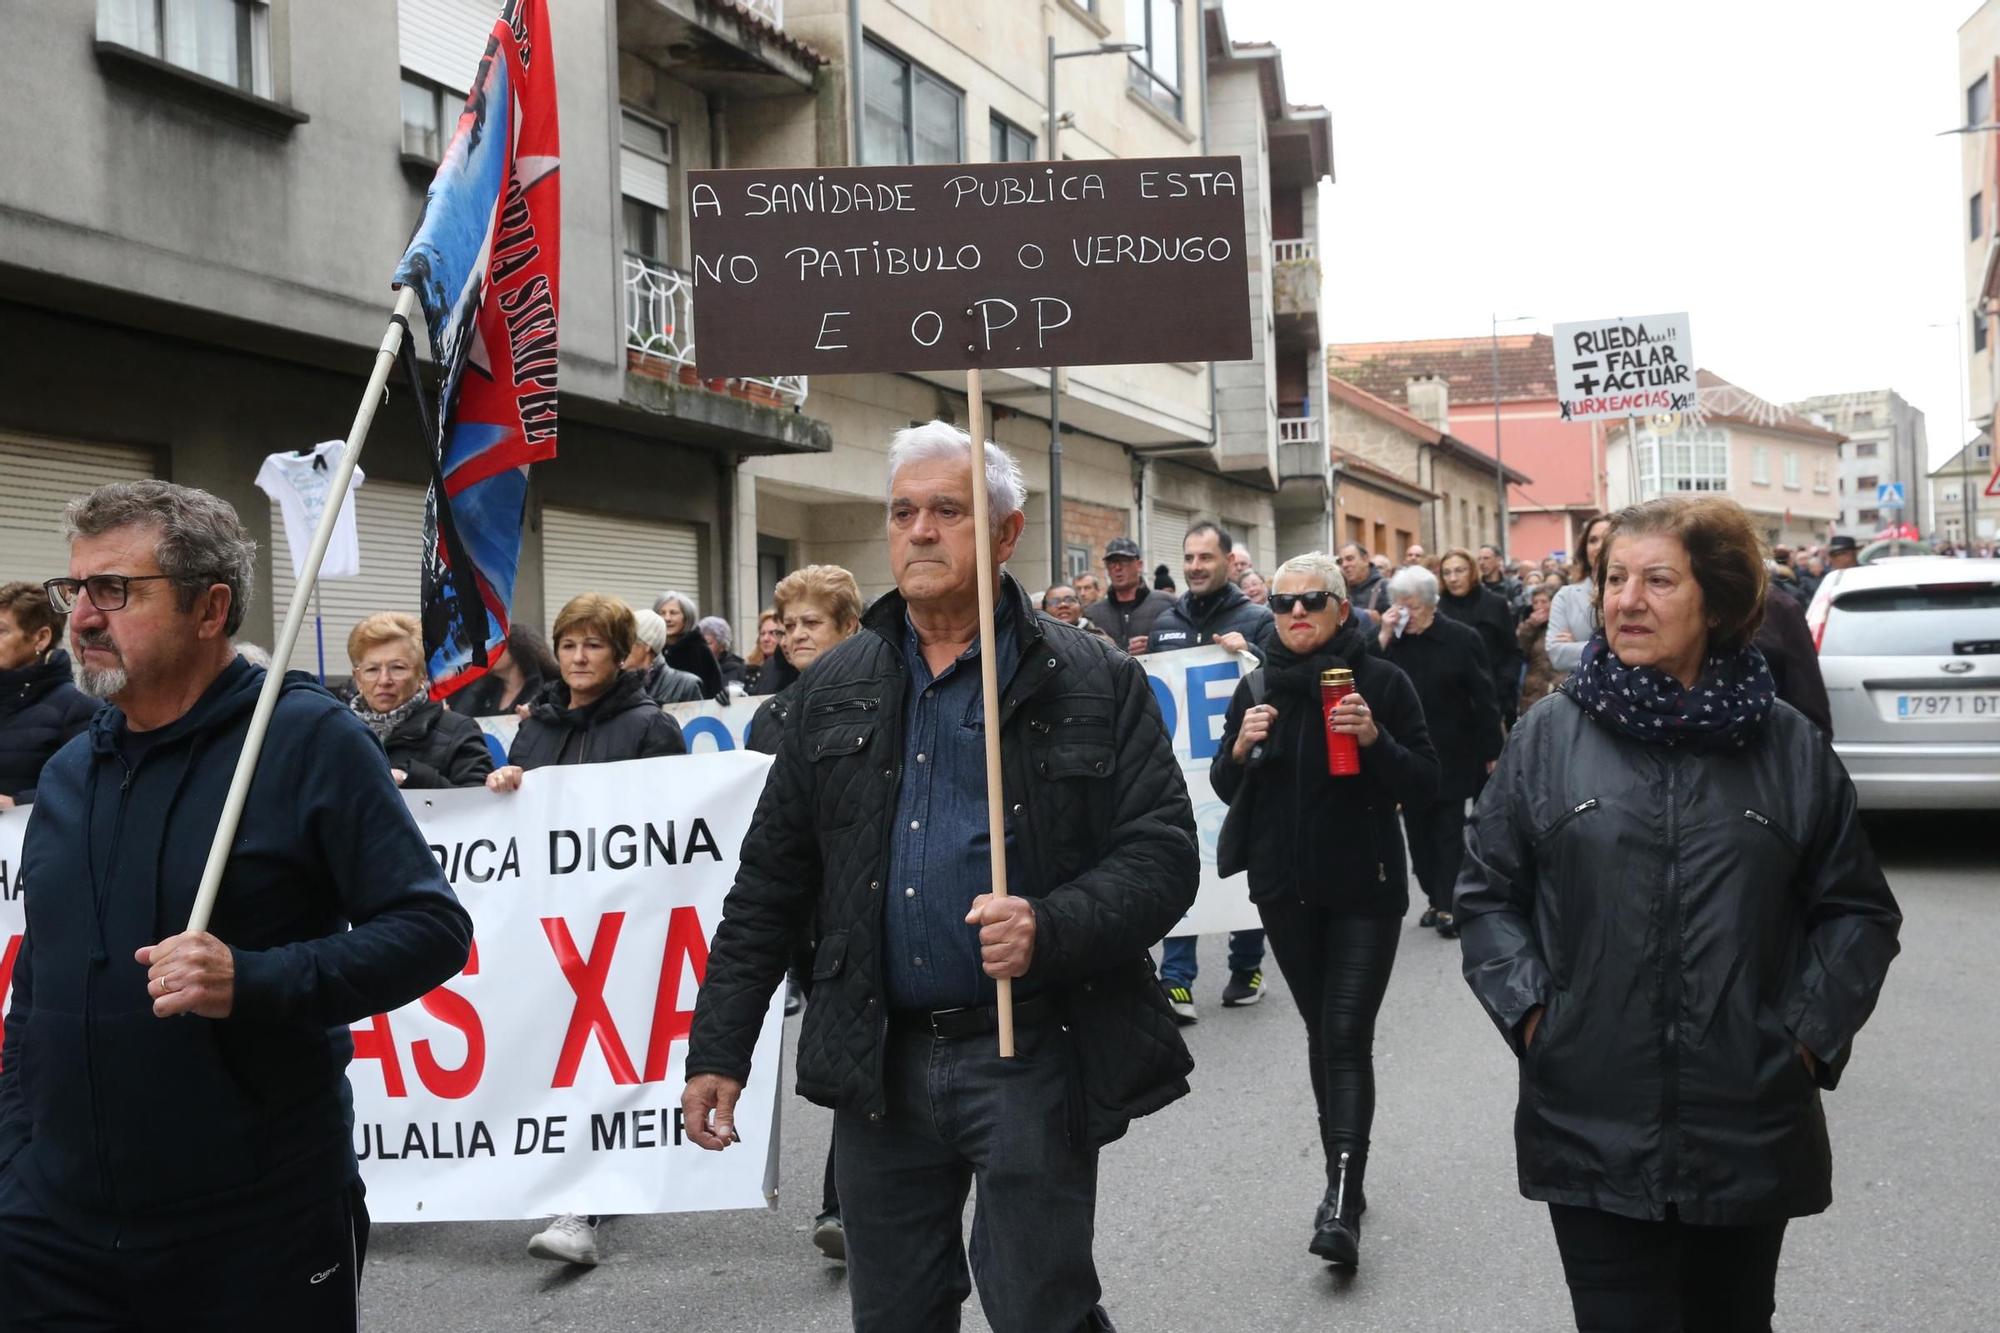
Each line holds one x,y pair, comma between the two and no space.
1103,819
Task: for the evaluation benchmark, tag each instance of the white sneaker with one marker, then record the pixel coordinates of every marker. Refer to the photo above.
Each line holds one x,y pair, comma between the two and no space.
568,1240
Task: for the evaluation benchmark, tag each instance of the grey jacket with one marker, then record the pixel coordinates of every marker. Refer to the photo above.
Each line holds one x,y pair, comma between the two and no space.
1571,610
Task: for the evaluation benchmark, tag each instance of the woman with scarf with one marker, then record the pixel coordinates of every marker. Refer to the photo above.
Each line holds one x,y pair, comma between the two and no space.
1673,916
1325,854
597,713
428,746
1472,604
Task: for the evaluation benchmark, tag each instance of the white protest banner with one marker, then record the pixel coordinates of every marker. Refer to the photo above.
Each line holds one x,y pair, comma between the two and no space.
1624,367
707,726
547,1077
1193,687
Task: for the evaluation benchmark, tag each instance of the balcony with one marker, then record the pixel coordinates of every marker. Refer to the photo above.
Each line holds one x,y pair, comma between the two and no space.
725,48
1301,449
659,337
1295,290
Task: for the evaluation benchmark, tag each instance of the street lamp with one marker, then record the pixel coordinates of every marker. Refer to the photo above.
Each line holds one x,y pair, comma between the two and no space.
1054,127
1500,468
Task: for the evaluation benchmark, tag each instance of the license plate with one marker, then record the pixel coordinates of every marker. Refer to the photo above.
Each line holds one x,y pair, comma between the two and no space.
1946,705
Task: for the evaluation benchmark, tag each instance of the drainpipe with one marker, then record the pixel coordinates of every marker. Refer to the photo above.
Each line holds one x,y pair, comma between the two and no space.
854,110
1201,82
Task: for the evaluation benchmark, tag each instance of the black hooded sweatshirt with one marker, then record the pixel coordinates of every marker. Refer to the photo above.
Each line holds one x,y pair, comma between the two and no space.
136,1131
40,710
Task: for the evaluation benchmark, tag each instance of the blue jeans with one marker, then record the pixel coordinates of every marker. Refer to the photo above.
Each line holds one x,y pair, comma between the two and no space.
1177,964
958,1113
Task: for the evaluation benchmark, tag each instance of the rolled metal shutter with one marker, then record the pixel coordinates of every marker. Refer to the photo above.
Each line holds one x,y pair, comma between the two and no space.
635,559
37,479
444,40
389,521
1169,534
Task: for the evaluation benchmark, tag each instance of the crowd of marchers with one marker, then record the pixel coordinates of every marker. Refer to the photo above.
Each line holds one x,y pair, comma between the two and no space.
1564,756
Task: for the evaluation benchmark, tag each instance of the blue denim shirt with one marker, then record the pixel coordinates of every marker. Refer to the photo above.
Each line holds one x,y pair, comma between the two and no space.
938,856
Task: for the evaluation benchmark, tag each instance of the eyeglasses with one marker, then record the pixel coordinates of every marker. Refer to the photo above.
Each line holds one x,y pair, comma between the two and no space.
1063,601
1315,602
107,592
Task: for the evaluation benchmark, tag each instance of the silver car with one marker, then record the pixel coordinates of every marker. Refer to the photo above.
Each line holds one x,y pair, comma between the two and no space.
1910,652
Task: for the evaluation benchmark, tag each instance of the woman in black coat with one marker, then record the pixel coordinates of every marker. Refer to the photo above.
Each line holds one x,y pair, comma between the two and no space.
598,713
429,747
514,681
1447,663
686,649
1673,916
1471,603
1325,854
40,706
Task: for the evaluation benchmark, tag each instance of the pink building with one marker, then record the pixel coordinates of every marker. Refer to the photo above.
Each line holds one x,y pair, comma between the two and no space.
1564,458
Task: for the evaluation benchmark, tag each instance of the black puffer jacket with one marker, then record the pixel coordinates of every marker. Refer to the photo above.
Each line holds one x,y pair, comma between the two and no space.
1191,621
621,724
439,748
1124,621
1453,677
1110,860
1486,611
40,709
1687,918
691,653
1334,842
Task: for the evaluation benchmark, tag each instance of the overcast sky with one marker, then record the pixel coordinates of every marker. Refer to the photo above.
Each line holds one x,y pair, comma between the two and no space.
1768,166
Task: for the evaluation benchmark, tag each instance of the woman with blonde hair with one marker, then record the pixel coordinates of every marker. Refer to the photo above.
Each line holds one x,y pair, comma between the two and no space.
428,745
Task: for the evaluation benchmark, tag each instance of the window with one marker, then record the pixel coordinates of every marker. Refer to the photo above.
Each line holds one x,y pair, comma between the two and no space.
1978,333
1932,620
1867,449
1979,102
426,106
645,159
1156,71
1975,221
1010,143
1869,518
1760,466
1866,485
1792,482
225,40
1687,460
909,115
1985,450
1864,418
1076,562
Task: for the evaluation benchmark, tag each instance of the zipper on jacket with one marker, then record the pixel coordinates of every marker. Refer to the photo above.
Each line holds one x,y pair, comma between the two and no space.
98,958
1777,830
1671,1000
1565,817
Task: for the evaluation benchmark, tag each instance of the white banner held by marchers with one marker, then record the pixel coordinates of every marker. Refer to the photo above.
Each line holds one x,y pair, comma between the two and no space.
1193,687
547,1077
1625,367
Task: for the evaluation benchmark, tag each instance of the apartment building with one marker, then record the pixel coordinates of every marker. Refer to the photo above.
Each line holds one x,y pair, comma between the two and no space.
196,243
1885,446
1767,458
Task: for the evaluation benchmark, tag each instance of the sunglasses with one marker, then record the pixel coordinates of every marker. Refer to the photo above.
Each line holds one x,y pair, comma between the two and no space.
1315,602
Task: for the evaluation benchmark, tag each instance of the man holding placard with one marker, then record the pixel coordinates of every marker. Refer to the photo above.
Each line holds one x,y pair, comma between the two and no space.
873,825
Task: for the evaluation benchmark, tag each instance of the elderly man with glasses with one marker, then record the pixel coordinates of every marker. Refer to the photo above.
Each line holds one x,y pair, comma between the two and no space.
174,1115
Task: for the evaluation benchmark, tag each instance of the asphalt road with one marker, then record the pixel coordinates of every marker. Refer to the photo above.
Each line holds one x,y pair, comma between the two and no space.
1204,1209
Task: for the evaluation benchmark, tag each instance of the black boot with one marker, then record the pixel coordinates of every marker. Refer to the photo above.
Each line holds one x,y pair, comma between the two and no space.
1337,1224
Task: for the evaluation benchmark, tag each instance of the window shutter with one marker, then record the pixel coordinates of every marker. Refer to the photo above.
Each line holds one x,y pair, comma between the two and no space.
1169,535
443,40
42,476
389,522
634,559
642,178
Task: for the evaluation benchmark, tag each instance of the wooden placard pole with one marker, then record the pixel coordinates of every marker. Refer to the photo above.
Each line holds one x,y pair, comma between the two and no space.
989,685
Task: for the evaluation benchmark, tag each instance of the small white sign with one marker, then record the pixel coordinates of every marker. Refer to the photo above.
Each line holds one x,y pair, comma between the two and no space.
1624,367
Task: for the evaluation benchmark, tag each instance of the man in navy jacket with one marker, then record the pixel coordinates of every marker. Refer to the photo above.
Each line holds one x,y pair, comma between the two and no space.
175,1121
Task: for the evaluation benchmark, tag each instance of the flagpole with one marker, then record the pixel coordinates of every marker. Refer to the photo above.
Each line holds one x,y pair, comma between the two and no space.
305,590
989,685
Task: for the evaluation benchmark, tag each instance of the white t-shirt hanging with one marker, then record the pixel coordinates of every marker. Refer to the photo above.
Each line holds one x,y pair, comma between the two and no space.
299,483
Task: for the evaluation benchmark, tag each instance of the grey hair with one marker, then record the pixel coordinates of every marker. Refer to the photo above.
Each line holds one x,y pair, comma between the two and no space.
1415,581
690,613
202,541
651,629
717,626
1006,489
1318,565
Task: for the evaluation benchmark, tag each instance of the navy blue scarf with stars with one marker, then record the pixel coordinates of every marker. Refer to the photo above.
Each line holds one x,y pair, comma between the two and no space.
1723,711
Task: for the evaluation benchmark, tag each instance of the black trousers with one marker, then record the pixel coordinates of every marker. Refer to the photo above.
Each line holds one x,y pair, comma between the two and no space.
1437,847
1631,1276
1337,967
300,1273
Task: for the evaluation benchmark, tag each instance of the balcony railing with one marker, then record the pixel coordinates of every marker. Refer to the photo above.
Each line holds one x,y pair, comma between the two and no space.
1286,251
1298,430
659,323
774,10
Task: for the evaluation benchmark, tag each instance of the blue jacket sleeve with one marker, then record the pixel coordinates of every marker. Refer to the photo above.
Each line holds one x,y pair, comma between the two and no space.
13,1111
408,934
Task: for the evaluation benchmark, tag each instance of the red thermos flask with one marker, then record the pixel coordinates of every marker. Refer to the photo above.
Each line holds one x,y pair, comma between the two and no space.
1343,755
